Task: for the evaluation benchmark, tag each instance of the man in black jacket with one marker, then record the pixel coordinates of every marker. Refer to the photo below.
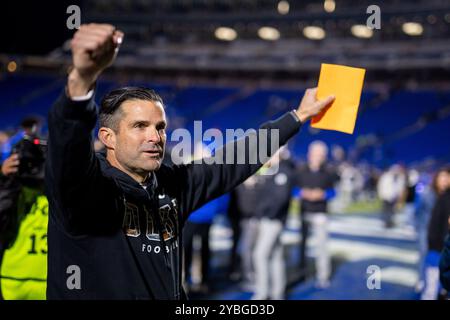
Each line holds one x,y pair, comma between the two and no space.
115,220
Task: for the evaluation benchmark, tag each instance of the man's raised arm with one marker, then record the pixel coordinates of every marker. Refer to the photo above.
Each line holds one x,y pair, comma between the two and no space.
71,164
207,181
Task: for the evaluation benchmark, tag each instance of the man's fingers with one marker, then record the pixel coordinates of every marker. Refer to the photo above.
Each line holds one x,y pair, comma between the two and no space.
91,37
88,45
98,26
12,161
118,36
89,34
95,31
93,45
311,91
325,102
105,26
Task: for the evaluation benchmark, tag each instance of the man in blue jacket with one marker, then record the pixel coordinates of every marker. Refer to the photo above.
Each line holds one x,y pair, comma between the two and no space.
115,219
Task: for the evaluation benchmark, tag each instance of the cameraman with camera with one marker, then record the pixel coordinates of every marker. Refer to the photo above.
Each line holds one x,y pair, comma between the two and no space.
23,222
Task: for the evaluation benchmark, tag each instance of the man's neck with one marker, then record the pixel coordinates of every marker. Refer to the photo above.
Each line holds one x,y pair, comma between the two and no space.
314,167
138,177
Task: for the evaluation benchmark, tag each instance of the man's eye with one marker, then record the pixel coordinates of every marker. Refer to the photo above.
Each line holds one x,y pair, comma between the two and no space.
139,125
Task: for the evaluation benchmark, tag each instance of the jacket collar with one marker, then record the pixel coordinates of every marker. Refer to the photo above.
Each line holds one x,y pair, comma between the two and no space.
129,186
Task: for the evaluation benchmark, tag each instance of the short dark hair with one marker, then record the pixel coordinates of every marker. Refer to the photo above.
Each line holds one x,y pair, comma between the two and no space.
110,104
30,121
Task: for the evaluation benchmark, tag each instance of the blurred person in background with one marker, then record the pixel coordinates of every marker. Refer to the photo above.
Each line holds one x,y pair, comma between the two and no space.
390,189
444,265
275,196
350,184
409,199
438,228
244,210
198,227
425,202
370,184
23,223
30,126
234,272
3,139
316,181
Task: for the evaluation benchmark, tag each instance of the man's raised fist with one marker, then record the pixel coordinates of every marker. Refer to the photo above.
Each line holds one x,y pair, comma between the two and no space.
94,48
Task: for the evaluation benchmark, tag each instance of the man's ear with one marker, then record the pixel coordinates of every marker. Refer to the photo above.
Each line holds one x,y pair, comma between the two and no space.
108,137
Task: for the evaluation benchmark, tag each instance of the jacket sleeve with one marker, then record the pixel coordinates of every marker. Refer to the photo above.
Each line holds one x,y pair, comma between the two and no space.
208,180
71,165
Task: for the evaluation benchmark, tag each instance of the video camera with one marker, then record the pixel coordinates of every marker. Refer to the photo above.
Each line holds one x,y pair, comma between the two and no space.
32,154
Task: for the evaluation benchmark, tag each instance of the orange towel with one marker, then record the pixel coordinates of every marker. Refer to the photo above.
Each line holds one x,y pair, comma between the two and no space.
345,83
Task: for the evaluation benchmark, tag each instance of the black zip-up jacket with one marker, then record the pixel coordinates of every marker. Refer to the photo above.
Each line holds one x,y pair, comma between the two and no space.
108,237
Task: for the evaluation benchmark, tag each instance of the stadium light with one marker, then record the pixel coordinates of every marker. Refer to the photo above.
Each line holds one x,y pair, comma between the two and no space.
225,34
314,33
12,66
268,33
412,28
283,7
447,17
361,31
329,5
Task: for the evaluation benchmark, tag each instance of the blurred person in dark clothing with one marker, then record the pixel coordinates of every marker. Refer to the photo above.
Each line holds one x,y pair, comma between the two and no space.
275,196
244,210
438,228
3,139
198,227
316,181
30,126
426,201
23,224
444,265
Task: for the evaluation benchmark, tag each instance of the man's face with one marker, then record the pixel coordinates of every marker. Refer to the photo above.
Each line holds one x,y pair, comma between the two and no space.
443,181
141,136
316,155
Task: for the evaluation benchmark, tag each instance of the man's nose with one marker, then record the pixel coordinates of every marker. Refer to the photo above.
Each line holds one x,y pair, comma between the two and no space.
153,135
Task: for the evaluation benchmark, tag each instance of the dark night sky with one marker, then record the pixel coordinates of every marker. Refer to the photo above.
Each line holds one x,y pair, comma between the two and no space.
33,27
